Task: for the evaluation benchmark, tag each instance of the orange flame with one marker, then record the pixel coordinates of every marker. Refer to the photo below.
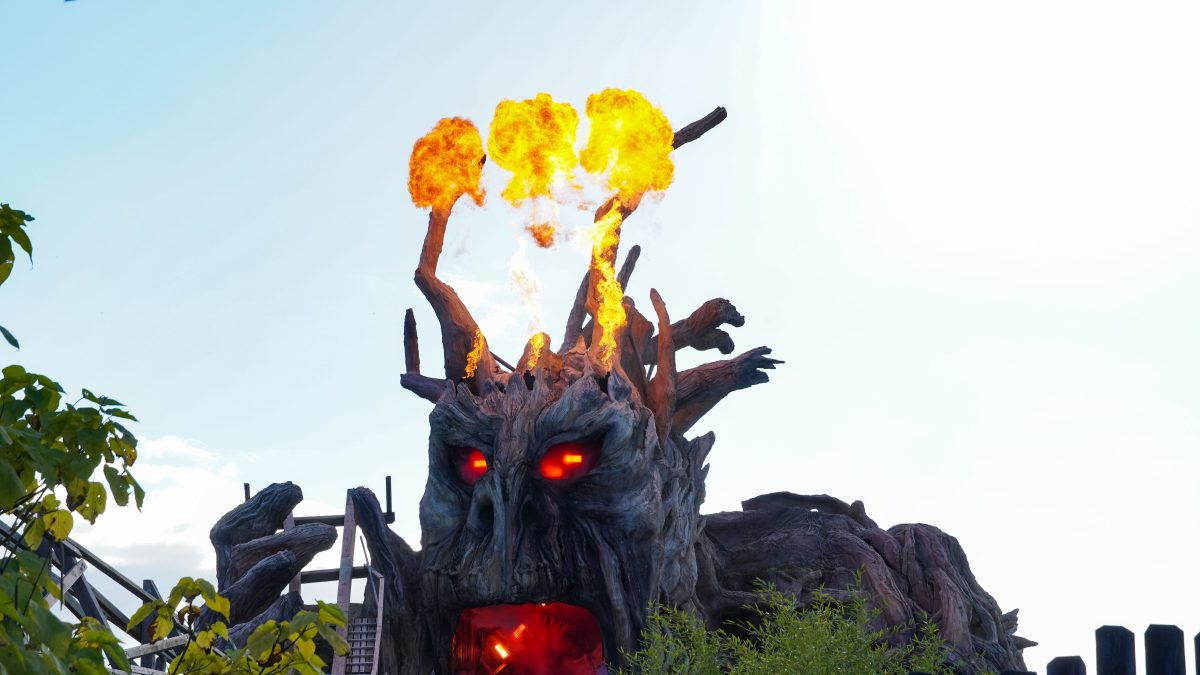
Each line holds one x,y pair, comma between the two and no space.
610,313
537,345
445,164
630,143
542,233
475,354
535,140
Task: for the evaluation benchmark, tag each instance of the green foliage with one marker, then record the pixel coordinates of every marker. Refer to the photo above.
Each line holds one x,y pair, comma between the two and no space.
52,455
829,637
12,231
274,648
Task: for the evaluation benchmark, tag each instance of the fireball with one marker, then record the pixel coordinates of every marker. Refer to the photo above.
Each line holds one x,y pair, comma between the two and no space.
445,164
630,143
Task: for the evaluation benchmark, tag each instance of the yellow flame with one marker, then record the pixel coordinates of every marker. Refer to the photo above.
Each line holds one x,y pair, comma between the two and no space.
475,354
630,143
535,140
445,164
610,313
537,344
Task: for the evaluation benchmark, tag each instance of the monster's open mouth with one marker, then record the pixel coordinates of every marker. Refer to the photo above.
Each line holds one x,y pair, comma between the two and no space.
552,638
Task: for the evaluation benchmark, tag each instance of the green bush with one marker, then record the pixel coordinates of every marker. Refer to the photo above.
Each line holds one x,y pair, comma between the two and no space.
829,637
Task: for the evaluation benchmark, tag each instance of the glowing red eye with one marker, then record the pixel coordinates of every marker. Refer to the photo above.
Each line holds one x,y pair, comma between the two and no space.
567,461
472,465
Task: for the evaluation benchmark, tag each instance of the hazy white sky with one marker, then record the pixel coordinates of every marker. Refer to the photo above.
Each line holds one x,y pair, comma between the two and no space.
971,230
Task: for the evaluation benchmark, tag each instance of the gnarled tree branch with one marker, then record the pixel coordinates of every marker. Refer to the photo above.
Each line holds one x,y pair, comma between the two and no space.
702,387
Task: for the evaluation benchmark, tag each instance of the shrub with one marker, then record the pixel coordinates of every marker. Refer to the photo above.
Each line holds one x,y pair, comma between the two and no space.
829,637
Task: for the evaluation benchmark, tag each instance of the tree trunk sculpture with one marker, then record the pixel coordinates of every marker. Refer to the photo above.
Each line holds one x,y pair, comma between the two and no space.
569,480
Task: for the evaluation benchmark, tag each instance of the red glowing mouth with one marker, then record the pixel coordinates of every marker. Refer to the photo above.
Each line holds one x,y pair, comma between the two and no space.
535,639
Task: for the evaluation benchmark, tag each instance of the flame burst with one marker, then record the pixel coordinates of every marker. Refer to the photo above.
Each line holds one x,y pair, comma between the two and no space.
630,143
535,140
537,345
610,313
475,354
542,233
445,164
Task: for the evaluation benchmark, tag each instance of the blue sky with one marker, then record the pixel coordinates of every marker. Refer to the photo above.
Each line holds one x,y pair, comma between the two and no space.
971,230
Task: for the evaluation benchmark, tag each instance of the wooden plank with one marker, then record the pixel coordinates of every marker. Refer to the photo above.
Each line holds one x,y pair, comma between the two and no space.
156,647
288,524
379,606
345,571
70,578
318,576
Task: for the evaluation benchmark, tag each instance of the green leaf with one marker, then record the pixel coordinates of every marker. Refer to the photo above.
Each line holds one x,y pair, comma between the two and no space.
10,338
139,495
59,523
334,639
118,485
140,615
94,502
262,640
161,627
5,269
34,532
330,613
22,238
11,487
17,373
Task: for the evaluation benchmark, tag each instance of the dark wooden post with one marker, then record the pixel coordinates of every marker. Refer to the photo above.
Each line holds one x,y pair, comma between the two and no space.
1164,650
150,661
1196,644
1115,651
1066,665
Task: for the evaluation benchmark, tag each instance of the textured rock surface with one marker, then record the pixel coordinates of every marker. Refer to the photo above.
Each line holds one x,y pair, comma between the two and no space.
803,543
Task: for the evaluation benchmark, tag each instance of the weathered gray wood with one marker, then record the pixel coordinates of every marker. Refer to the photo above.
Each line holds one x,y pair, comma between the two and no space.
428,388
304,541
908,571
696,129
257,589
345,569
412,351
457,325
703,387
289,523
663,396
262,515
282,609
701,330
156,647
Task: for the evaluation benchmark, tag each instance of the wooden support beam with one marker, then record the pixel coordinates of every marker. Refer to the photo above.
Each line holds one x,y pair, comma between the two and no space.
345,572
156,647
289,523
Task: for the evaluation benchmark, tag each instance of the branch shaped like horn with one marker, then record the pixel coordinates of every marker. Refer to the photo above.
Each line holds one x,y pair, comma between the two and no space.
464,348
586,298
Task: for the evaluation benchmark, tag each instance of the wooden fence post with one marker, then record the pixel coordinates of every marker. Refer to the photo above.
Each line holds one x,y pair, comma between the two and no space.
1164,650
1066,665
345,575
1115,651
1196,645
